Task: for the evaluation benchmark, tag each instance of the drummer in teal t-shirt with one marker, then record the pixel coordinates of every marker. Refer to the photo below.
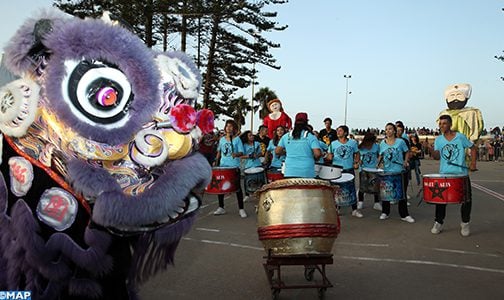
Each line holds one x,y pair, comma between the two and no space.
392,154
450,148
369,152
228,155
302,149
344,152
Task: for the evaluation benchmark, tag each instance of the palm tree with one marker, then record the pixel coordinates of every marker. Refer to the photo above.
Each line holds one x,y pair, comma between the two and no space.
261,98
237,109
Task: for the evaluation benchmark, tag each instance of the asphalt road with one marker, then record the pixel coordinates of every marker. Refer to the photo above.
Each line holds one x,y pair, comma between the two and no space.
221,258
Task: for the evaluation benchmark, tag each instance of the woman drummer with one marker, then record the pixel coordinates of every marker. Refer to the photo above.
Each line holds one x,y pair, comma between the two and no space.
301,149
395,155
344,152
276,160
229,150
369,152
251,153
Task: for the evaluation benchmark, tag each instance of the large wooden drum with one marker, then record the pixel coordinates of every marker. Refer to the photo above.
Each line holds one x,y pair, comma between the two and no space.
297,216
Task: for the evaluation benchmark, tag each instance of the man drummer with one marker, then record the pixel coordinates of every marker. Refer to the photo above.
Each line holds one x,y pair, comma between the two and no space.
449,148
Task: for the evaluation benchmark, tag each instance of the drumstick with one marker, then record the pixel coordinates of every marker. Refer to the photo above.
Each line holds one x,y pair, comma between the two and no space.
461,166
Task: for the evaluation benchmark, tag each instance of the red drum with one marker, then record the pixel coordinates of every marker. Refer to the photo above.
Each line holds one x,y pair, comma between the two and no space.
224,180
445,188
274,174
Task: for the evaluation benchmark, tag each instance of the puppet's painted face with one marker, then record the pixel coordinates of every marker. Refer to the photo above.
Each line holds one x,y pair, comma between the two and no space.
457,95
116,116
275,107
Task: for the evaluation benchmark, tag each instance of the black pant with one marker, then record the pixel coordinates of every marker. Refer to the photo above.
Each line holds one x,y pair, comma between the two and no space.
402,205
361,197
465,209
239,196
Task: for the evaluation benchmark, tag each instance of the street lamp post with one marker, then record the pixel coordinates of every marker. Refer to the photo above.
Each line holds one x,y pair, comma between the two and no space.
346,95
252,100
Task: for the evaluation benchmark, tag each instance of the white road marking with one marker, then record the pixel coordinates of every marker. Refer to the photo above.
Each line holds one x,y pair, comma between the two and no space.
423,262
224,244
466,252
362,244
207,229
488,191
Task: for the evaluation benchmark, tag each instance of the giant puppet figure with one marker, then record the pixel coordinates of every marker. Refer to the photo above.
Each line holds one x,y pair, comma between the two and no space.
466,120
276,117
99,171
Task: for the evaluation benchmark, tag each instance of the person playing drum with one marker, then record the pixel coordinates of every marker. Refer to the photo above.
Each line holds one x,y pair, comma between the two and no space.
392,151
344,152
449,149
275,159
301,149
369,152
228,155
251,153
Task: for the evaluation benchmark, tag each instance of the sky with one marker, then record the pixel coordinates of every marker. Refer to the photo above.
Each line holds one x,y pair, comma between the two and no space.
401,56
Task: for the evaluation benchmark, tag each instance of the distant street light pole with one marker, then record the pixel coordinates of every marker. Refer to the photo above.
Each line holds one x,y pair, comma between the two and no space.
346,95
252,100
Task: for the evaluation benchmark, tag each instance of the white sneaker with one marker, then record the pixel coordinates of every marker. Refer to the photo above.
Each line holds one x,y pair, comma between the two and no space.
384,216
377,206
408,219
437,228
360,204
219,211
464,229
242,213
408,197
357,214
247,198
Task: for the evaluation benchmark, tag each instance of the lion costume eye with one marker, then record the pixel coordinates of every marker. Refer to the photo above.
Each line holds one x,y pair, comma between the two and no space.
97,92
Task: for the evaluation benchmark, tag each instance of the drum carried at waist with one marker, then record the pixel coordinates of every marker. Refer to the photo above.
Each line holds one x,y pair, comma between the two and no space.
274,174
445,188
297,216
345,195
392,187
327,172
224,180
368,180
254,179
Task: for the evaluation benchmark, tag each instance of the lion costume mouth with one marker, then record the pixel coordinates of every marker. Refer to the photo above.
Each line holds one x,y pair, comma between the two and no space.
167,199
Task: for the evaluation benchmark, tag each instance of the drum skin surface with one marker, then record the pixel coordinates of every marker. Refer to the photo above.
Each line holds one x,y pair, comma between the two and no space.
297,216
445,188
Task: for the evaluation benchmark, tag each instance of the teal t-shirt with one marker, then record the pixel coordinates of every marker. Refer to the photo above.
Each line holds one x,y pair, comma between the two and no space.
343,153
250,150
369,157
299,161
393,155
276,161
226,149
452,153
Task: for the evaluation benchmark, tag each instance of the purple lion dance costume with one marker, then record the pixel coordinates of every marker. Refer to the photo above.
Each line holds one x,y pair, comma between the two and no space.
99,171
